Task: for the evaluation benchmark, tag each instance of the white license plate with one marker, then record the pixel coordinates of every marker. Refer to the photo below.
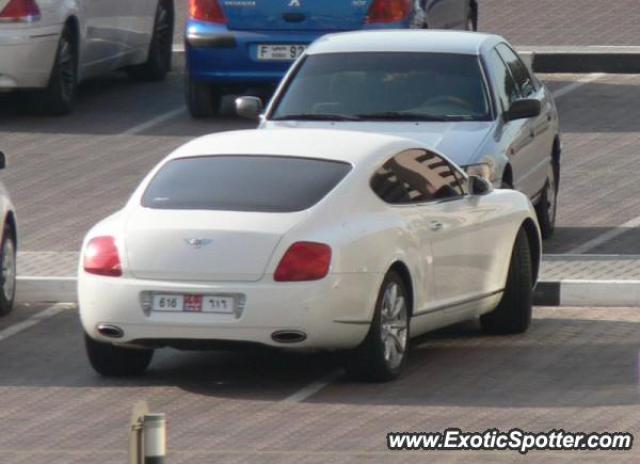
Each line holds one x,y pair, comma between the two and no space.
280,52
193,303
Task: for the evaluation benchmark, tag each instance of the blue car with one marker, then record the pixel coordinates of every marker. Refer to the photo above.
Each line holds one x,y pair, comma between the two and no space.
248,45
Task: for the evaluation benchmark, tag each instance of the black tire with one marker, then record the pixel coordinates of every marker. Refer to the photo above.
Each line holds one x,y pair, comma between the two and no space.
513,314
59,97
203,99
369,361
469,24
114,361
547,208
8,271
158,63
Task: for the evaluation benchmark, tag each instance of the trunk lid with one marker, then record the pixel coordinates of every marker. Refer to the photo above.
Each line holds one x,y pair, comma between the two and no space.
295,15
204,246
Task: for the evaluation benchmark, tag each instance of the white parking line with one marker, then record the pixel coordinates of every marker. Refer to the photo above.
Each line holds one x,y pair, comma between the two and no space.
33,320
154,122
581,81
606,237
313,388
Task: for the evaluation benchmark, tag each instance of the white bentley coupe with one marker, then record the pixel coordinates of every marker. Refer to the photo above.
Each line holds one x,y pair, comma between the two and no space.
305,240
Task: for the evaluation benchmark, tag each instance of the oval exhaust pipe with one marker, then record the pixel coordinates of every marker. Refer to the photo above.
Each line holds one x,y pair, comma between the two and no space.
288,336
110,331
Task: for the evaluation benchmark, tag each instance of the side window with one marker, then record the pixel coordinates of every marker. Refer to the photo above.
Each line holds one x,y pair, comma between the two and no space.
416,176
519,70
508,91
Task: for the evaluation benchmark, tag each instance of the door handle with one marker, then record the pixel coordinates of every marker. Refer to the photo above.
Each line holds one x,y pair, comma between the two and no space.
436,226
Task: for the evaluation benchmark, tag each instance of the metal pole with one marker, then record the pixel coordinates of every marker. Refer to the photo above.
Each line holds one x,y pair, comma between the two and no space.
155,439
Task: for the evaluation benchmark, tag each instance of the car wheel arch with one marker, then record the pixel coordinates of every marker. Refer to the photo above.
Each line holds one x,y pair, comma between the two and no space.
507,176
535,246
72,24
402,270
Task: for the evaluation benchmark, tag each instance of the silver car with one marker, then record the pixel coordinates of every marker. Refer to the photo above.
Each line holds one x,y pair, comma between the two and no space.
48,46
8,248
465,94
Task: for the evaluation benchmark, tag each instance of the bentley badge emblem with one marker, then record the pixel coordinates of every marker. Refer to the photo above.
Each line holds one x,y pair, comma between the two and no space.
198,243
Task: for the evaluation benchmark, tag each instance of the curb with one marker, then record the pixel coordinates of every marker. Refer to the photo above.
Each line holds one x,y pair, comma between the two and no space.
592,293
590,59
46,290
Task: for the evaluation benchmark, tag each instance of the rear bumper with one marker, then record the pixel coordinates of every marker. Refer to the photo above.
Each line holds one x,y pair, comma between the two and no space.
222,56
217,55
334,313
27,56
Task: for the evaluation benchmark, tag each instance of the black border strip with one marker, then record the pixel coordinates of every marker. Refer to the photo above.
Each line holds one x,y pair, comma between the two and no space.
547,294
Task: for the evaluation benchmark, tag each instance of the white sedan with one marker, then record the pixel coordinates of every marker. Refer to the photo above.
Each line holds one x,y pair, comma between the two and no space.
8,248
305,240
48,46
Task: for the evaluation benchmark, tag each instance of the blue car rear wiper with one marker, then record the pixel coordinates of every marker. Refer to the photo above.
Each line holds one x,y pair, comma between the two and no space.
317,117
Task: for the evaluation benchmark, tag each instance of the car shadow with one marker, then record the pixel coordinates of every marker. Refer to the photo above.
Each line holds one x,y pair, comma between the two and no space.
565,239
568,362
113,105
601,107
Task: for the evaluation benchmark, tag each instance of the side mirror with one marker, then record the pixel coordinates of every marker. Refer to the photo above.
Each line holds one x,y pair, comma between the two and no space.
3,161
524,109
479,186
249,107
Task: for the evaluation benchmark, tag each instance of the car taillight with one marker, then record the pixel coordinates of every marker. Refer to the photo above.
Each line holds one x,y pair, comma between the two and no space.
304,261
207,10
388,11
101,257
20,10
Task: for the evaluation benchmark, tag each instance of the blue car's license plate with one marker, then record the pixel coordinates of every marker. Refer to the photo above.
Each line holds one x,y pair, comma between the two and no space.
280,52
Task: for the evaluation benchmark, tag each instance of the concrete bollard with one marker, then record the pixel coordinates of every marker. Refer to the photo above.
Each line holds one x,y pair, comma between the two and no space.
155,439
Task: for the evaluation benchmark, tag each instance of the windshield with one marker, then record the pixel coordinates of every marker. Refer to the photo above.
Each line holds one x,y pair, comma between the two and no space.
243,183
386,86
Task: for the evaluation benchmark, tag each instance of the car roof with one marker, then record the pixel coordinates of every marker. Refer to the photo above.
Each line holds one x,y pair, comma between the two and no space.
337,145
410,40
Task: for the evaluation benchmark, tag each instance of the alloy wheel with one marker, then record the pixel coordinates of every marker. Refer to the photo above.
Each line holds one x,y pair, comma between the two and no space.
394,325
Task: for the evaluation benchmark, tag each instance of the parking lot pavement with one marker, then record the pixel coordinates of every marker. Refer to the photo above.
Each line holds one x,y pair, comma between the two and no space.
576,369
566,22
21,313
598,191
67,173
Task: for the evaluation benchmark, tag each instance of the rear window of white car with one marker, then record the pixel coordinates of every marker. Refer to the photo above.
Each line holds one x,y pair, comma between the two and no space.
243,183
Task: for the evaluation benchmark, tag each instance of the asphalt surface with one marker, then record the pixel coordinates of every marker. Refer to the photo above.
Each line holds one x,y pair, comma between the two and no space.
67,173
541,22
577,370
